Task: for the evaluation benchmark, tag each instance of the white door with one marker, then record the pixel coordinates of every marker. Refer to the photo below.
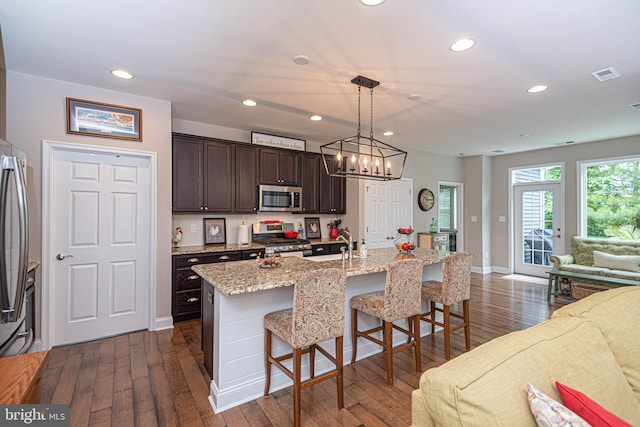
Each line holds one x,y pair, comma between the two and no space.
100,241
537,227
388,206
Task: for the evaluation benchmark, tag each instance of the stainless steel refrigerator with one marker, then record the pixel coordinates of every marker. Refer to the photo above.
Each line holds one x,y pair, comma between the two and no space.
14,250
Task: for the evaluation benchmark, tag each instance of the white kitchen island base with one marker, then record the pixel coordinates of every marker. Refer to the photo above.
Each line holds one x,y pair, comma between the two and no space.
238,373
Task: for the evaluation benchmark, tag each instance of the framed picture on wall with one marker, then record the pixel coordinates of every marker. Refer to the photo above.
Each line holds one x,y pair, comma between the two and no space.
103,120
312,227
215,231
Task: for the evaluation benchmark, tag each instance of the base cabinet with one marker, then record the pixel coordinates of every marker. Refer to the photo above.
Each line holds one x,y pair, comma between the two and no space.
185,303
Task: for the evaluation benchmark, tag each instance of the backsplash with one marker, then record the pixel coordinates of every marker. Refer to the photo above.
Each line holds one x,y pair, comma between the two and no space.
193,231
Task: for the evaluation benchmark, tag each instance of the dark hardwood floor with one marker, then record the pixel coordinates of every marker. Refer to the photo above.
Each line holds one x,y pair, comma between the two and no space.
158,378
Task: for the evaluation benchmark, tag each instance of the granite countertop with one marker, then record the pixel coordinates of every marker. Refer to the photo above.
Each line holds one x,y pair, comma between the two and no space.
190,250
240,277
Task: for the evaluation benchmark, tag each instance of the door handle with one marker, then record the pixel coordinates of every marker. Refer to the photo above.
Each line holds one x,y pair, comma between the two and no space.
60,257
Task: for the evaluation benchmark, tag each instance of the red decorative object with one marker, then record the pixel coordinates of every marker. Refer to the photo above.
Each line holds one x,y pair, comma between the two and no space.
333,233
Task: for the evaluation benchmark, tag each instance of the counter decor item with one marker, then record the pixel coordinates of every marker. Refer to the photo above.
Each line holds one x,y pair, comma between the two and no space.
404,242
215,231
333,229
433,227
312,227
243,234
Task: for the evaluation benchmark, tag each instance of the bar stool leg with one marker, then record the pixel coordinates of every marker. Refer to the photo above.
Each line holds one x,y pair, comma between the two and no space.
297,388
416,336
340,378
446,313
467,326
312,360
267,363
354,334
387,328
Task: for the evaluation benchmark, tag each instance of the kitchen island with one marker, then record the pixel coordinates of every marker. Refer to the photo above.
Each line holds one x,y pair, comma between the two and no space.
237,295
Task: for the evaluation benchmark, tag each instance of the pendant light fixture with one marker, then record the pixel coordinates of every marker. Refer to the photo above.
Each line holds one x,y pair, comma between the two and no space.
363,156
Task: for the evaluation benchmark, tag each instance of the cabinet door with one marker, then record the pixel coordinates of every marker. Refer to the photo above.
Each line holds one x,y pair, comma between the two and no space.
219,177
311,165
339,194
290,168
187,174
246,179
269,173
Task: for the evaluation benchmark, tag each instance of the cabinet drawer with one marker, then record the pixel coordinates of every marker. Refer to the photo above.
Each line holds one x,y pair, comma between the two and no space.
188,301
186,279
321,249
253,254
187,261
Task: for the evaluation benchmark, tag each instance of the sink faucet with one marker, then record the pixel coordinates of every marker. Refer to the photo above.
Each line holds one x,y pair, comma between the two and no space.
349,242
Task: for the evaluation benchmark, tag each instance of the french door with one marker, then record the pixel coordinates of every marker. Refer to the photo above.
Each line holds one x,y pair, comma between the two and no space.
537,234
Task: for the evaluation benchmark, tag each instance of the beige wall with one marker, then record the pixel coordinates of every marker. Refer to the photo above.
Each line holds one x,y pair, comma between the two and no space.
570,155
36,111
477,197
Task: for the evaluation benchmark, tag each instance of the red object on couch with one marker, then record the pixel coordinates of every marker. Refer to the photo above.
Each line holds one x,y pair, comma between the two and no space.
588,409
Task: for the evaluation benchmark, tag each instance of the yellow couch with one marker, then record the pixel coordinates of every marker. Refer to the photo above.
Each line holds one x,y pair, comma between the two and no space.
592,345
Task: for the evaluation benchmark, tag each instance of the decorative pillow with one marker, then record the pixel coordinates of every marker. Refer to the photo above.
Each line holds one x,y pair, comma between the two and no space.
549,413
588,409
616,262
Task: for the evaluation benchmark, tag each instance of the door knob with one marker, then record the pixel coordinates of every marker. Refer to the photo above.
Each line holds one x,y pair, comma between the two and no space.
60,257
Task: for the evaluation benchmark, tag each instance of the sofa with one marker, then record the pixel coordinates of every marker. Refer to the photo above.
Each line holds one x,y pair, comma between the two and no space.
622,255
591,345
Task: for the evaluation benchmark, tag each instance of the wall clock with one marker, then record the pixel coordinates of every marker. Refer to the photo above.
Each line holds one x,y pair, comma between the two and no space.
425,199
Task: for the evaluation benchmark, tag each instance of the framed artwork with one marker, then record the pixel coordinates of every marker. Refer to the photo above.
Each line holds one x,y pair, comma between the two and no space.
103,120
312,227
215,231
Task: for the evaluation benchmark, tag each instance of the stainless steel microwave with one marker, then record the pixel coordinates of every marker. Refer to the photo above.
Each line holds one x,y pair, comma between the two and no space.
279,198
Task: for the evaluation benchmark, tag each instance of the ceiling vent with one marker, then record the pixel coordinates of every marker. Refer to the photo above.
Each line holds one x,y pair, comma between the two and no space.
498,151
606,74
635,106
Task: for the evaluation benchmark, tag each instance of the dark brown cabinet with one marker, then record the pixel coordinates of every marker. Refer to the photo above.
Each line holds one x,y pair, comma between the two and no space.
280,167
311,169
188,170
332,193
203,175
186,289
246,197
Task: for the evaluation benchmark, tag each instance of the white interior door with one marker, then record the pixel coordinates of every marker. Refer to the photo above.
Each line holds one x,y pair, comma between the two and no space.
100,241
537,234
388,206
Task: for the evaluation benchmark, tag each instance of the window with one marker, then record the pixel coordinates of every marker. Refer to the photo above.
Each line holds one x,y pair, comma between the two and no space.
610,198
545,173
447,207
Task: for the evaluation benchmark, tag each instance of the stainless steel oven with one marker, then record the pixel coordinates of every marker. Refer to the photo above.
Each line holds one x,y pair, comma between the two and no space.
279,198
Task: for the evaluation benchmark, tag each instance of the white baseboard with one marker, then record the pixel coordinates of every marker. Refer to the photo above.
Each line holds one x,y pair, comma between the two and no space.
162,323
481,270
501,270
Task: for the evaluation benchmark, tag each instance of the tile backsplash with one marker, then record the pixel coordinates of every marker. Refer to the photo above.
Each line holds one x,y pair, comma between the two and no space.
193,231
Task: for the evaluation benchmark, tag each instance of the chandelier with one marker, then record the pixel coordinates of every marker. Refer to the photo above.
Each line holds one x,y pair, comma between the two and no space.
363,156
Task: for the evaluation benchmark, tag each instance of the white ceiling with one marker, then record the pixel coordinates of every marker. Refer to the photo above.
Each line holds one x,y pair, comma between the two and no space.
205,56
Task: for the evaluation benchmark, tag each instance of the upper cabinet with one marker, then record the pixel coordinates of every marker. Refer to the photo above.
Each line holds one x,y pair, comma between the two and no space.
204,176
246,179
333,193
311,165
188,173
280,167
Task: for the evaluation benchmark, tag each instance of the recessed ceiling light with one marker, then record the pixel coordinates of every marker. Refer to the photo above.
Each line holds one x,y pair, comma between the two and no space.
315,118
536,89
414,97
249,103
462,45
122,74
388,133
301,59
371,2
